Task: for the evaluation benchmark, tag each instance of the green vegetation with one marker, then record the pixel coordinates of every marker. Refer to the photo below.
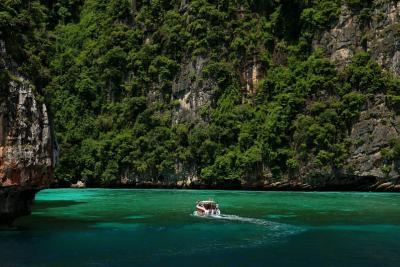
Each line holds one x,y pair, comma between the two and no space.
108,69
391,156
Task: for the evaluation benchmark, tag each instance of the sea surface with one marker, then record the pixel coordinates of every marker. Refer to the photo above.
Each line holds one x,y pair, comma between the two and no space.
105,227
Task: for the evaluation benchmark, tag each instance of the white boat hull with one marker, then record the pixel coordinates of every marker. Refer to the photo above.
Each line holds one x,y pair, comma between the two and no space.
200,211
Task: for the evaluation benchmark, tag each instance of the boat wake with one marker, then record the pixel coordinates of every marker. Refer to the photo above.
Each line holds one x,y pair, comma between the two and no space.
236,218
239,219
267,232
281,228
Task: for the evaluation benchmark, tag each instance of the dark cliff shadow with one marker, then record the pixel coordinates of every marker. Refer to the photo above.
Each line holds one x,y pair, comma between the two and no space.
42,219
52,223
38,221
40,205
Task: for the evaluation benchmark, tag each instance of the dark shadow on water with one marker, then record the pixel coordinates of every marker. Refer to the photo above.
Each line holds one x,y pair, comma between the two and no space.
8,228
24,223
44,222
52,223
41,205
42,219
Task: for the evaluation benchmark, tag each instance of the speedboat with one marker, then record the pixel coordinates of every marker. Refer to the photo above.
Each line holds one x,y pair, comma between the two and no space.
207,207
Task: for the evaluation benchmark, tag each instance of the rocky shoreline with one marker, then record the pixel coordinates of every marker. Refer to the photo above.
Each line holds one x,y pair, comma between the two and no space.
367,185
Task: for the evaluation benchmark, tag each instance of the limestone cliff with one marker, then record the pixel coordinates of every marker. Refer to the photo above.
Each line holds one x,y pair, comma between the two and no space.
377,30
370,135
192,91
377,125
27,146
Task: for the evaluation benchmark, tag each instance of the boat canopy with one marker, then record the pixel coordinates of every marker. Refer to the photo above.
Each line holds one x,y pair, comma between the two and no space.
208,204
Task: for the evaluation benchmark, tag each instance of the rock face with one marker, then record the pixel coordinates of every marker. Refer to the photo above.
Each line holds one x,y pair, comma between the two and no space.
378,33
377,125
79,184
195,93
370,135
251,75
192,91
27,146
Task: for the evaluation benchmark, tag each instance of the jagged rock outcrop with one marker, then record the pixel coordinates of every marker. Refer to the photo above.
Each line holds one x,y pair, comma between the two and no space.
27,146
377,32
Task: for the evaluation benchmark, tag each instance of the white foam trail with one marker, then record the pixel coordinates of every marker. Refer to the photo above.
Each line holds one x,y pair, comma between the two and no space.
230,217
279,229
268,231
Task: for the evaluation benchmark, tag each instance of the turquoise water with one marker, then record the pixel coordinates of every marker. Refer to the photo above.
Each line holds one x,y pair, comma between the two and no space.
100,227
